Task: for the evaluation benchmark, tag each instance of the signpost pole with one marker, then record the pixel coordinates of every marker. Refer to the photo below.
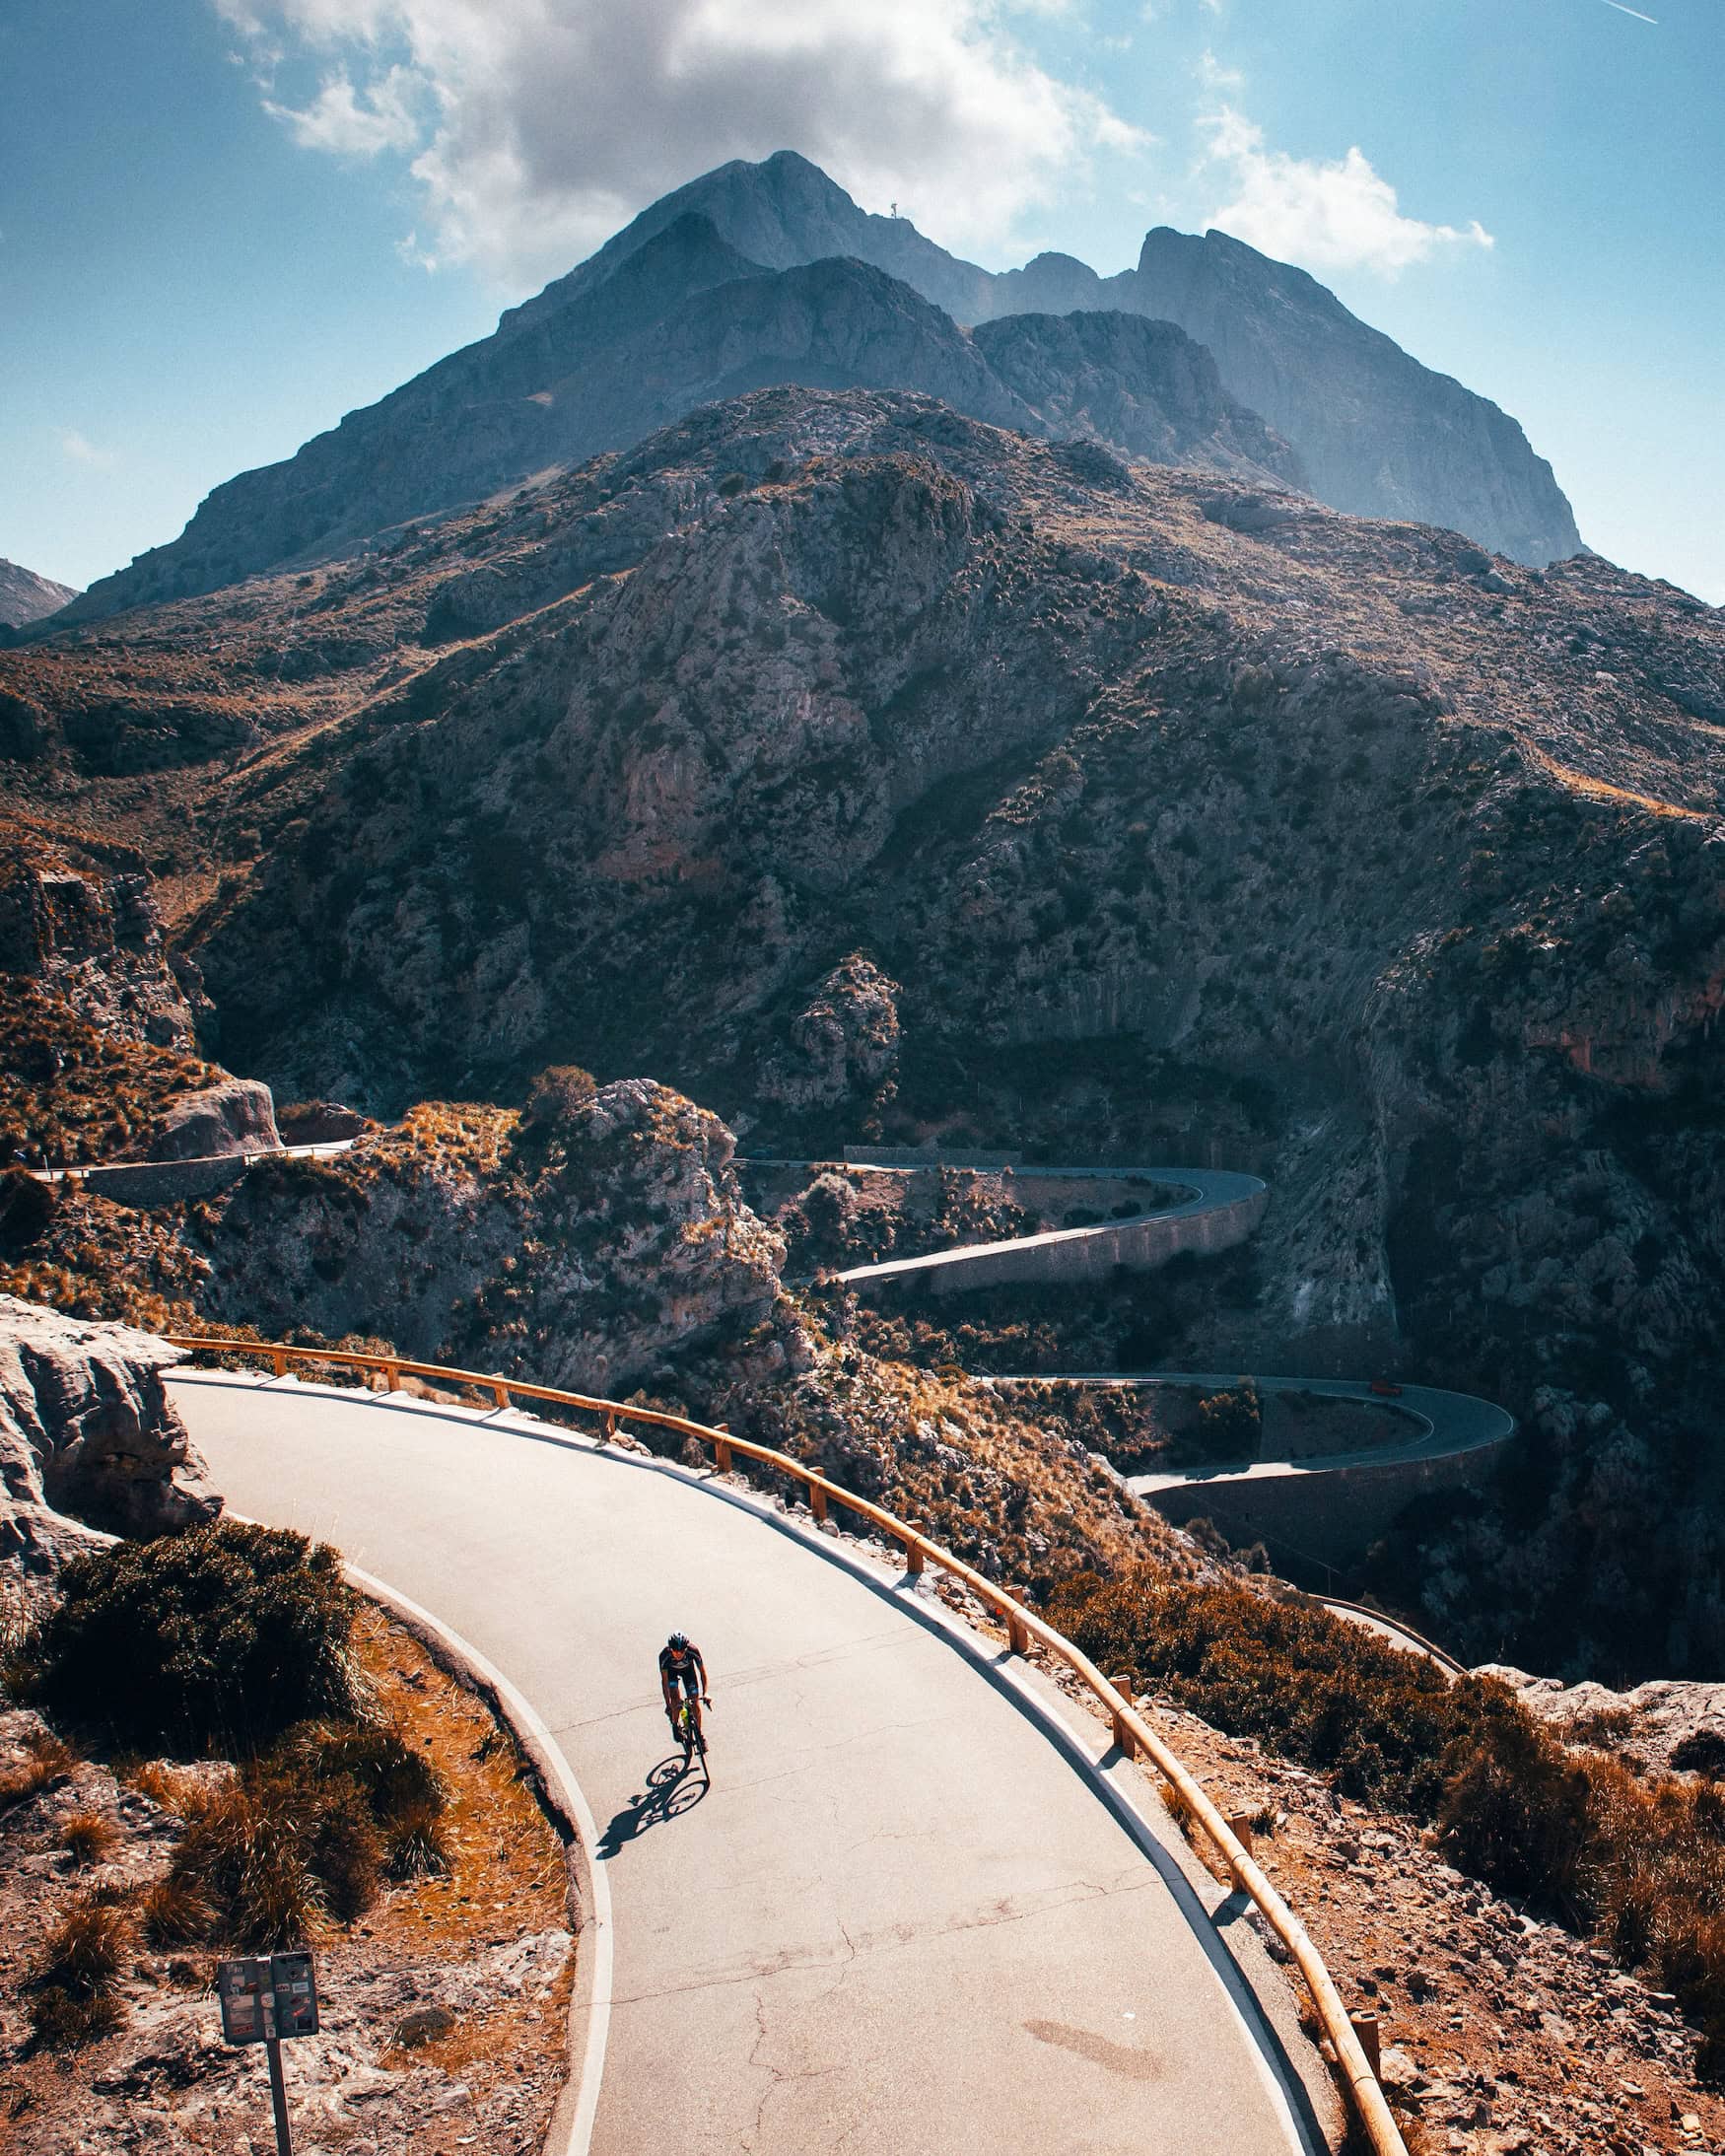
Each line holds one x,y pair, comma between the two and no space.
278,2096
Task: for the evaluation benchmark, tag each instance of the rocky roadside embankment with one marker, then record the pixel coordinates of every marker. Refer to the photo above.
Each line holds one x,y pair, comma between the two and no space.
89,1443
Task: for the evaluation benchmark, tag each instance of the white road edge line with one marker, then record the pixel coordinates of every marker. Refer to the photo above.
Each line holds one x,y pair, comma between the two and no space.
571,2130
1280,2076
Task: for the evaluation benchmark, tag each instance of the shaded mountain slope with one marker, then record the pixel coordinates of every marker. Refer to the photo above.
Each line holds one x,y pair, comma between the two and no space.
853,764
636,335
24,596
682,321
1379,433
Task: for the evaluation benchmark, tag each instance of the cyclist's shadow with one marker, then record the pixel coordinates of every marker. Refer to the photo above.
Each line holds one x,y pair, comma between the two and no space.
670,1790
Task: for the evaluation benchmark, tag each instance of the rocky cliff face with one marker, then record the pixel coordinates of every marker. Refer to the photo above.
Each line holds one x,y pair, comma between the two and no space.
1143,387
1381,435
25,598
88,1440
577,1249
759,274
96,1020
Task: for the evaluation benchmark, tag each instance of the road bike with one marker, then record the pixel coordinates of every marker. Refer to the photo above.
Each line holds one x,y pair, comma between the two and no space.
688,1728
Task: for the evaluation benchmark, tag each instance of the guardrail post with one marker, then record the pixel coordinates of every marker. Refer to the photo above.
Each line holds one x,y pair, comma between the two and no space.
500,1393
1122,1735
392,1375
912,1557
818,1501
1366,2027
1240,1827
1018,1633
607,1428
280,1360
721,1458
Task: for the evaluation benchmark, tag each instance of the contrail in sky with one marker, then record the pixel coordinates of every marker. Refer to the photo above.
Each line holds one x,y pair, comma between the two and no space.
1635,12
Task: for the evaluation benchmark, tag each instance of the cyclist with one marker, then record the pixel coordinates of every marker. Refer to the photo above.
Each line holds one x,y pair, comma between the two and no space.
681,1669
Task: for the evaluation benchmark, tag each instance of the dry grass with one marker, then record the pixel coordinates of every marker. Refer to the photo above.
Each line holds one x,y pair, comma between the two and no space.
48,1758
76,1981
88,1837
1639,1863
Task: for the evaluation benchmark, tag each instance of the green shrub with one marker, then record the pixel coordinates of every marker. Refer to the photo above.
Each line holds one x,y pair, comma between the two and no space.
226,1633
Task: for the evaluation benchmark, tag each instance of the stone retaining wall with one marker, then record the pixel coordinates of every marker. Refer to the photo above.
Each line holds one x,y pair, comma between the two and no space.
1334,1514
164,1182
1093,1253
919,1157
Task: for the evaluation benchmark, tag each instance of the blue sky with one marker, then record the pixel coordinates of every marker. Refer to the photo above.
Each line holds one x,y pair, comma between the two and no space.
223,223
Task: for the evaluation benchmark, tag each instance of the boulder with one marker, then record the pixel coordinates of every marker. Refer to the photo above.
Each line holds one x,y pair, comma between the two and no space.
89,1443
237,1116
843,1044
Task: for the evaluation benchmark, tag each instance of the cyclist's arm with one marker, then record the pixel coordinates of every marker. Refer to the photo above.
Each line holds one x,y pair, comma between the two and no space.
701,1668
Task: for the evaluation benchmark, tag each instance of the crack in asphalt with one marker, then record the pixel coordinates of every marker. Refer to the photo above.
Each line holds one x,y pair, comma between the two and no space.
893,1938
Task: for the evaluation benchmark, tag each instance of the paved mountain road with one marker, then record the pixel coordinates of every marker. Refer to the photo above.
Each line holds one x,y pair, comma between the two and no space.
900,1919
1449,1423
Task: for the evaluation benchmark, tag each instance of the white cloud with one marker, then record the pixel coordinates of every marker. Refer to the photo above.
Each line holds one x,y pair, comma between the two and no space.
538,126
80,450
354,123
1214,76
1336,214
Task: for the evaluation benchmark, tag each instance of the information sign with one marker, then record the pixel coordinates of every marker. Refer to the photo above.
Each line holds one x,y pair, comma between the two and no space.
247,2002
265,2000
296,1994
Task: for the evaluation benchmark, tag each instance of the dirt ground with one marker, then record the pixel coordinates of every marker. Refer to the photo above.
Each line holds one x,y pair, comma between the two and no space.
445,2008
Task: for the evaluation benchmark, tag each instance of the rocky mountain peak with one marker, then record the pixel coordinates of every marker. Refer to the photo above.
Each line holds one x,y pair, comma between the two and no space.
24,596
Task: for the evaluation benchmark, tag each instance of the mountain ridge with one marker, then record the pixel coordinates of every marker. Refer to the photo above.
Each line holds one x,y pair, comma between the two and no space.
685,318
26,596
1369,429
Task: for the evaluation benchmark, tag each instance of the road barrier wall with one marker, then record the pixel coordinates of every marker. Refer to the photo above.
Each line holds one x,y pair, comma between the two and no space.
918,1157
162,1182
1093,1253
1333,1513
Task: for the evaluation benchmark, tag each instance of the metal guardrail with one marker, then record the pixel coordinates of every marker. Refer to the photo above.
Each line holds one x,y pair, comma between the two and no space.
1132,1734
1415,1639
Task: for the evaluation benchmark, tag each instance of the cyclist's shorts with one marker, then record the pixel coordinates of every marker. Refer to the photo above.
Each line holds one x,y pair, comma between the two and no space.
685,1678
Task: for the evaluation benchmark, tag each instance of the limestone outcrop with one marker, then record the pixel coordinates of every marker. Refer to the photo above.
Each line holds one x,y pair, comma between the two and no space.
1665,1722
842,1044
89,1443
237,1116
577,1248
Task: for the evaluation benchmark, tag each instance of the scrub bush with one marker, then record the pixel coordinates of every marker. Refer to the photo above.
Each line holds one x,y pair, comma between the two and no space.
220,1637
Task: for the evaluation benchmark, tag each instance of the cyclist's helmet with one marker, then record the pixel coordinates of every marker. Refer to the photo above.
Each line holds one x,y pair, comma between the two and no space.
679,1640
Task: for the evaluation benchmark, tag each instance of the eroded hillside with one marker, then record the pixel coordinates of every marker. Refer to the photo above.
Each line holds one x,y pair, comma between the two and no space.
852,765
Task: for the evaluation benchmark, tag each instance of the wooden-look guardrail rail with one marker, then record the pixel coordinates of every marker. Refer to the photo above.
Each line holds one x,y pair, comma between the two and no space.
1132,1732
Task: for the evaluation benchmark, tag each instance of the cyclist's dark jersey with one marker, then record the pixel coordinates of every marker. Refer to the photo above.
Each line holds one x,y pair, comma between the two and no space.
686,1669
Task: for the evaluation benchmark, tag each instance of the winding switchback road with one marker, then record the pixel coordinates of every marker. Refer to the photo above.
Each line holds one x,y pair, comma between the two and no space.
908,1915
1450,1423
1214,1193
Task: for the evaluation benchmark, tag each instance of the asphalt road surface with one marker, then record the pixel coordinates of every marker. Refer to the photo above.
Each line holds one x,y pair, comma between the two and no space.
898,1919
1445,1423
